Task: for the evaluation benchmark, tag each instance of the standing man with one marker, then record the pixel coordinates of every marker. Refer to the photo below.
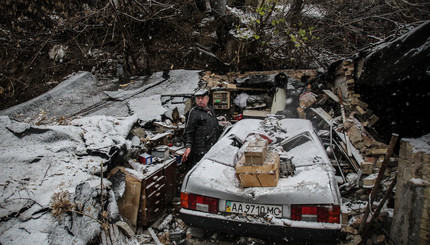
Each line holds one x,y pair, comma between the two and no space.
201,130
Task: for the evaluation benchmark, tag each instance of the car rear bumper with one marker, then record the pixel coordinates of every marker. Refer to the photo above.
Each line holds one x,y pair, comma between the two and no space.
305,231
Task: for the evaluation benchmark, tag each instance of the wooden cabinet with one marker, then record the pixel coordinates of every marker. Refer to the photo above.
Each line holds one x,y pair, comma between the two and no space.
157,191
144,196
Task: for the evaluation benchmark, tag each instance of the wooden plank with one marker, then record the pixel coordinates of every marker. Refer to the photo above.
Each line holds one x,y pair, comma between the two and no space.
154,236
270,164
324,115
255,113
265,175
331,95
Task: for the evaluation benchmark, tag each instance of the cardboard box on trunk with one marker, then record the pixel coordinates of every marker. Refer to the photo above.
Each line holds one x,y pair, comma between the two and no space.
255,152
264,175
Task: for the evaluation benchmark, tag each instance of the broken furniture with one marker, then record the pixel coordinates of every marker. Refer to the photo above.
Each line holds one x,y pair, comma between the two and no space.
145,195
221,100
160,139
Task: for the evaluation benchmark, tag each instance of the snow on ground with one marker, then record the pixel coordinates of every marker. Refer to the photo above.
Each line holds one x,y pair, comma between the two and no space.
36,164
38,161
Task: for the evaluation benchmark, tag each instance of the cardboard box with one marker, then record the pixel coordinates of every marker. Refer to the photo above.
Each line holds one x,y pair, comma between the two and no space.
255,152
145,159
128,203
264,175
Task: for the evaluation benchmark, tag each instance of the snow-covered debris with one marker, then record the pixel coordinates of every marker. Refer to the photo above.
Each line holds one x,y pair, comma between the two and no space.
148,108
37,163
40,163
421,144
101,133
74,94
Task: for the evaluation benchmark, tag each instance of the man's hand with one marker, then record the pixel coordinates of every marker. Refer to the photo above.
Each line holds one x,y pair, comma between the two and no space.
186,153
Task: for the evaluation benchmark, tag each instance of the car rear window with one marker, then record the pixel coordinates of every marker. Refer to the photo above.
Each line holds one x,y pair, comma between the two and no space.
301,139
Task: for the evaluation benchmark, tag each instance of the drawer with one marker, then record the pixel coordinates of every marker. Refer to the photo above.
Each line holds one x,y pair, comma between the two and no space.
156,203
157,193
153,186
154,213
155,176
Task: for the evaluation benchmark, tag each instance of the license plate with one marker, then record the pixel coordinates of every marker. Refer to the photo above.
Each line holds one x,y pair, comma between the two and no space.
254,209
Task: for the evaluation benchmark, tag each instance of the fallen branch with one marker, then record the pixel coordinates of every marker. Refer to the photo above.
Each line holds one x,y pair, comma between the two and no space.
46,172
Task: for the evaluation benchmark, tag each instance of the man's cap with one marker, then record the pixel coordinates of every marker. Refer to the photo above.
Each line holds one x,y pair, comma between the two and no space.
201,92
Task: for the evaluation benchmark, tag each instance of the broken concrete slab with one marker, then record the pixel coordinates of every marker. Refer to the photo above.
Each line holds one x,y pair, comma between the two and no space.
74,94
102,133
147,108
128,92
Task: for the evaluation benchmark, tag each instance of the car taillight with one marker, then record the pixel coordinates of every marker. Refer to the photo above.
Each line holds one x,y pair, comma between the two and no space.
197,202
316,213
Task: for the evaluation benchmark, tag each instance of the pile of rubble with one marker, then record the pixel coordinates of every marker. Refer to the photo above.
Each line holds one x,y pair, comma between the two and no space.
343,122
345,125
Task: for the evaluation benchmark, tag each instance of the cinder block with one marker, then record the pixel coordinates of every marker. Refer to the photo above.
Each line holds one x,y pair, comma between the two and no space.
370,180
379,151
367,167
426,158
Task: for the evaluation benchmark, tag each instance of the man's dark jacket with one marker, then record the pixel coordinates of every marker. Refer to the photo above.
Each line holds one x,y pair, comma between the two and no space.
202,130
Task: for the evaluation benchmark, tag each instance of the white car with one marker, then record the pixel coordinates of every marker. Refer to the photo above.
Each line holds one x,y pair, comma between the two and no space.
304,206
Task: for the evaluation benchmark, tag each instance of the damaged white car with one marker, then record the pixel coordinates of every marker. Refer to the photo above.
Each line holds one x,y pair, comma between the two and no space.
303,203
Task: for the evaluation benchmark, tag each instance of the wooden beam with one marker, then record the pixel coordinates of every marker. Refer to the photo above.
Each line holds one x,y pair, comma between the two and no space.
375,188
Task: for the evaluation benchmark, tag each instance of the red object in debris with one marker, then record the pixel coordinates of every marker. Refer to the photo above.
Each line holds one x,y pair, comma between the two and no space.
238,117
